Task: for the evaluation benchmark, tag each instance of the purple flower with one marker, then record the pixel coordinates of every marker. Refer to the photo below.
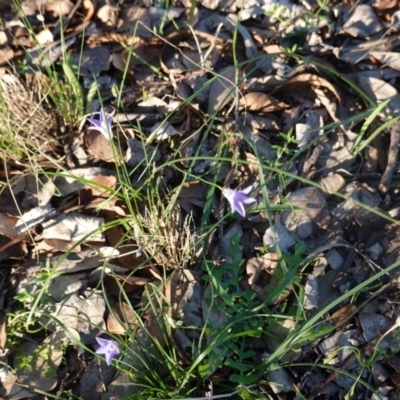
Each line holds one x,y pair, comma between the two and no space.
238,198
107,347
103,124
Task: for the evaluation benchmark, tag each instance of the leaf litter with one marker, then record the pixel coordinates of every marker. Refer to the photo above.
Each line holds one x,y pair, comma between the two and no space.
298,102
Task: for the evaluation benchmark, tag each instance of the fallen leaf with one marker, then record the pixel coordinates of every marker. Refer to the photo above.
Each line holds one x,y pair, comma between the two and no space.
7,225
390,59
341,316
98,192
262,102
116,283
6,55
223,89
310,79
92,61
62,286
11,388
74,179
44,37
59,8
136,21
45,360
3,38
192,195
100,146
120,319
108,14
379,90
85,315
363,22
210,4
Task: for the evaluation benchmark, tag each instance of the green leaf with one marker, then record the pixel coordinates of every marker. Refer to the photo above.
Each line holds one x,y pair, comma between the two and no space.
243,379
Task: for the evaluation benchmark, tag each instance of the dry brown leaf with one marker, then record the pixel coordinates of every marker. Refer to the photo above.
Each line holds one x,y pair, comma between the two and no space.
92,61
137,152
44,37
127,283
210,4
3,38
311,79
120,319
6,55
136,21
225,243
384,9
33,192
56,244
15,251
94,196
192,195
99,146
262,278
274,49
11,388
90,9
128,257
395,378
363,22
332,183
379,90
65,285
3,333
232,22
37,375
70,227
186,297
58,7
312,213
71,183
81,313
120,59
7,225
252,165
384,5
223,90
341,316
280,331
256,267
257,122
108,14
262,102
391,59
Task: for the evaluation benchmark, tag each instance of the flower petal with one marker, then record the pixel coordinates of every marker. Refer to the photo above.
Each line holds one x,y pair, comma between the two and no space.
101,342
239,207
247,190
94,122
249,200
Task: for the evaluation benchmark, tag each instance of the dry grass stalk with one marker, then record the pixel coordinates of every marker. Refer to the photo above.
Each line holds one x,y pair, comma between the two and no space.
167,237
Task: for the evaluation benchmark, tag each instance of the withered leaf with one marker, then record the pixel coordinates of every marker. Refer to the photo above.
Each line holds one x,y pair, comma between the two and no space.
258,101
223,90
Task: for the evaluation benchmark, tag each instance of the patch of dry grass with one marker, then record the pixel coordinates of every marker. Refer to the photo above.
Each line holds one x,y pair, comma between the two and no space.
27,122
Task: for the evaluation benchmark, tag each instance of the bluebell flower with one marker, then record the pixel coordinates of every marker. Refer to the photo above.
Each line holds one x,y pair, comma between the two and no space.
238,198
103,124
107,347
